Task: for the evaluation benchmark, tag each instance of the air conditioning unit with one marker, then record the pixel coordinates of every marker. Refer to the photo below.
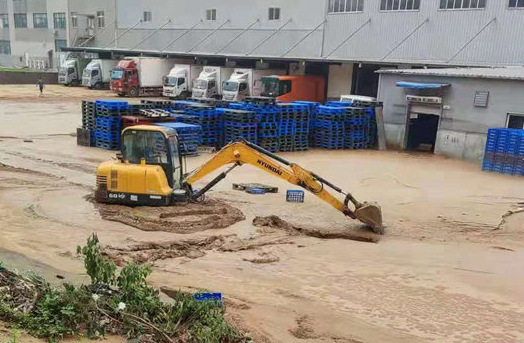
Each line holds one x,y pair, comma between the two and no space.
424,99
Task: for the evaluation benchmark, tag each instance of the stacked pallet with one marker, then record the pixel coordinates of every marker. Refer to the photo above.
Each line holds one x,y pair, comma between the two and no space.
163,104
287,127
209,120
504,151
355,128
361,124
329,130
312,111
239,124
302,118
86,136
134,109
189,136
109,123
268,118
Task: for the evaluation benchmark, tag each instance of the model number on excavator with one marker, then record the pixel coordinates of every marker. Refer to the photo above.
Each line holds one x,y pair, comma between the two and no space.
267,166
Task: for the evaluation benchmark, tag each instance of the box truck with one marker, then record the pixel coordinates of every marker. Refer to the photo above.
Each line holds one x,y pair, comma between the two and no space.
178,84
97,73
294,88
246,82
70,73
210,81
135,76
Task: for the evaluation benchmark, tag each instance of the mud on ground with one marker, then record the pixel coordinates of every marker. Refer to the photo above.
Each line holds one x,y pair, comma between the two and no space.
183,219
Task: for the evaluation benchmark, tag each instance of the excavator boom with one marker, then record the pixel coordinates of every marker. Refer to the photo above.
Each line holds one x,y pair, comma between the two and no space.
243,152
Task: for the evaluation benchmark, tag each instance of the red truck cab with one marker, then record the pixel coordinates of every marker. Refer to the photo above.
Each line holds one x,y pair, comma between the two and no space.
124,79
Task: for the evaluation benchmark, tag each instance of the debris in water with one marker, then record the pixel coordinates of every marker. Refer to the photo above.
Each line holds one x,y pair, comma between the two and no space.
276,222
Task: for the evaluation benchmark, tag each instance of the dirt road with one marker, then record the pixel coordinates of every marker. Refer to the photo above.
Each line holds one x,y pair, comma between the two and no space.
447,270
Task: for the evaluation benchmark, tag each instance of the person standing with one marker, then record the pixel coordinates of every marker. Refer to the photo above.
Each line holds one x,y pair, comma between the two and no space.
41,86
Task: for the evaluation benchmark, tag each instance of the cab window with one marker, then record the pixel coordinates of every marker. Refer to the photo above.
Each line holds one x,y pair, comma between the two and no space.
242,87
211,85
285,87
181,81
145,144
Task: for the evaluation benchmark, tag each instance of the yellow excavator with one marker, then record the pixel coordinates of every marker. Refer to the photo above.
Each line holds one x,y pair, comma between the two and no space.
149,172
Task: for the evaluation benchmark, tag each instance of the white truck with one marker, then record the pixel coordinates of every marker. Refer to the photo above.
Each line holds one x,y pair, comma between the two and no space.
97,74
70,73
246,82
209,82
135,76
178,84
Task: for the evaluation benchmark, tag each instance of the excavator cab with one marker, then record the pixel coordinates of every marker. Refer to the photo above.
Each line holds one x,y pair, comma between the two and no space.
147,171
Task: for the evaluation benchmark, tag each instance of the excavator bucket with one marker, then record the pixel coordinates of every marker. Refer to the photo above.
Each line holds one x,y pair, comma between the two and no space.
370,214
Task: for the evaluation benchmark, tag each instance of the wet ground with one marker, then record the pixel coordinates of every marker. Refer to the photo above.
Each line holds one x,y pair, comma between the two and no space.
449,269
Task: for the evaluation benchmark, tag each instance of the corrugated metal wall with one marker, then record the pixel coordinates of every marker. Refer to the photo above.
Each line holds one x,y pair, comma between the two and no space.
436,42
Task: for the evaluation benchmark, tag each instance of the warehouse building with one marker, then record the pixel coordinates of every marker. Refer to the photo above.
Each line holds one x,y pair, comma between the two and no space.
448,111
344,40
32,32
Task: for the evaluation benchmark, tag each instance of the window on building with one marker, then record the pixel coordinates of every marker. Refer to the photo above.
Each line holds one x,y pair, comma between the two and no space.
60,43
59,20
4,20
40,20
211,14
516,3
20,20
100,19
5,47
515,121
462,4
74,19
340,6
148,16
399,5
274,13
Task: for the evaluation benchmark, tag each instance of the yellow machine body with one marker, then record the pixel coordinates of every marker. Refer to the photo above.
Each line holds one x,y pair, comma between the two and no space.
140,184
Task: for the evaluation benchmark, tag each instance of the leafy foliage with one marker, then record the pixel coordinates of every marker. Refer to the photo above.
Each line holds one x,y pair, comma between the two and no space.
133,309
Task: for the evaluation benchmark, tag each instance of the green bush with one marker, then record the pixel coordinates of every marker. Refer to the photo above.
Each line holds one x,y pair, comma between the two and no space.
131,309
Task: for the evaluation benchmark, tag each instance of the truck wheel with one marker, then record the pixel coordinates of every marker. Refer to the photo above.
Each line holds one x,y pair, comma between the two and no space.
98,85
74,83
133,92
120,94
184,95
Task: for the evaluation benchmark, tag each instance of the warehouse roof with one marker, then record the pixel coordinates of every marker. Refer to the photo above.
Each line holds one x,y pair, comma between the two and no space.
505,73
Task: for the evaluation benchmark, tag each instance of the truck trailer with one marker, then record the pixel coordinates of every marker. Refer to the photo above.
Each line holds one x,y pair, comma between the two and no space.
135,76
246,82
70,74
97,73
178,84
290,88
210,81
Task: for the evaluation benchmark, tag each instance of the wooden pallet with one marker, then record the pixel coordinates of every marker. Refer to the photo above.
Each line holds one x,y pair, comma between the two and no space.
250,186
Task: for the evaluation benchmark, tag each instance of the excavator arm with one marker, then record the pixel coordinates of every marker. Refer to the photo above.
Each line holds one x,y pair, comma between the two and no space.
243,152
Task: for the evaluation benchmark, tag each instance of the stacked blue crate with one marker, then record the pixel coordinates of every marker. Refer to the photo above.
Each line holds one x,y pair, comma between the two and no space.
268,117
312,111
189,136
504,151
182,105
329,130
356,132
302,117
109,123
209,120
287,127
239,124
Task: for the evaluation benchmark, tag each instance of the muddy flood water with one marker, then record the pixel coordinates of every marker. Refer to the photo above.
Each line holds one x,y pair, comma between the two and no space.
450,267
